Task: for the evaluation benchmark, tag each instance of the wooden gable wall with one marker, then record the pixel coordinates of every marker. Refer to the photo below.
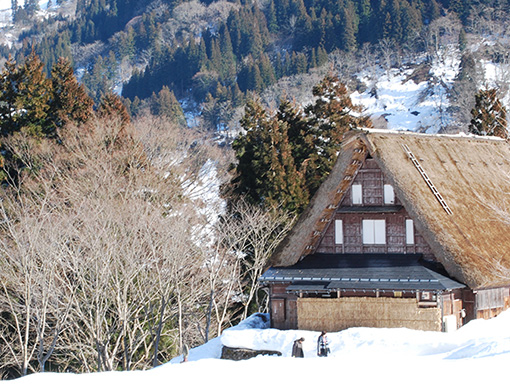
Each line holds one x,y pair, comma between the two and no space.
372,181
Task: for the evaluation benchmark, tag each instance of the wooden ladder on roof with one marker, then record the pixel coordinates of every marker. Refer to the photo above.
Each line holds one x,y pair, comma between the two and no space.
427,180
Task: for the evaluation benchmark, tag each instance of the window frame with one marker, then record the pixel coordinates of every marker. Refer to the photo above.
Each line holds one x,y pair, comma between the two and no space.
389,194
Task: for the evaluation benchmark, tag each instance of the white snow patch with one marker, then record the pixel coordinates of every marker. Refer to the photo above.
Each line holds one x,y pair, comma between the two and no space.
406,105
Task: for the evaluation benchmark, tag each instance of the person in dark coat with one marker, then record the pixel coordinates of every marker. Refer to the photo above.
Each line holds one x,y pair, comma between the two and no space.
322,345
297,348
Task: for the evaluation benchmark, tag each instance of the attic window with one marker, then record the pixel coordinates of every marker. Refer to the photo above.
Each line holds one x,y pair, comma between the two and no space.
357,194
389,194
374,232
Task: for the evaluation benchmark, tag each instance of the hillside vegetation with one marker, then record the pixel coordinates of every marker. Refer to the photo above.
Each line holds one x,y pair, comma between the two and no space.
213,53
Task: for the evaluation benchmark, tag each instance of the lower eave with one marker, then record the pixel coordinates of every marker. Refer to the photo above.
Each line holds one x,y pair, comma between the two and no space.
331,272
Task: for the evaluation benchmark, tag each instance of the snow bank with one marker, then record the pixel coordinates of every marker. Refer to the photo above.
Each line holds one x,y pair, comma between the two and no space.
475,355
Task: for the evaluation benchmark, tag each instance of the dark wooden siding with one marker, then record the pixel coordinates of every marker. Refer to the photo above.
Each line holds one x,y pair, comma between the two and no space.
283,307
372,181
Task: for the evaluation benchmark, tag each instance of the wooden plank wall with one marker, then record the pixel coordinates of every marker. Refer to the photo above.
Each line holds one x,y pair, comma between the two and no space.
491,302
283,307
342,313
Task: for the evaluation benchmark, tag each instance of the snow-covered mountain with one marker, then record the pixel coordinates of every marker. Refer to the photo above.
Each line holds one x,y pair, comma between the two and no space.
475,355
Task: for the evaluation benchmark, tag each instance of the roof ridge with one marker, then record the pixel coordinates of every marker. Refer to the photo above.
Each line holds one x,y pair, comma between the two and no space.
444,135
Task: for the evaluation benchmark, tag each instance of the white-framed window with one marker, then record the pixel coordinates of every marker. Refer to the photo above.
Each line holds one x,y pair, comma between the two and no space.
357,194
409,232
374,232
339,232
389,194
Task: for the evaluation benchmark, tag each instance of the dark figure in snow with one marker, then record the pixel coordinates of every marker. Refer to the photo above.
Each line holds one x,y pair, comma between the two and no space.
297,348
322,345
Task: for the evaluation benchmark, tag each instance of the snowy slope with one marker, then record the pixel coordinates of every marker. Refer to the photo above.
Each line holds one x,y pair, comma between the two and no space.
475,355
404,104
6,33
407,105
6,4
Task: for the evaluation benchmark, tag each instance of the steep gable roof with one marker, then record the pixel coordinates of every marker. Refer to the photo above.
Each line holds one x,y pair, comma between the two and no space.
465,221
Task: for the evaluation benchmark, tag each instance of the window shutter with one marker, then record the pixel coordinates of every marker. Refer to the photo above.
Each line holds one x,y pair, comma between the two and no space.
409,232
357,194
339,232
389,194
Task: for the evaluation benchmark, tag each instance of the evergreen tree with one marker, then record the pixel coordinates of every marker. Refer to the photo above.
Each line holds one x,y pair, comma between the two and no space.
489,115
299,133
111,107
266,71
330,116
283,157
70,101
14,9
31,7
272,23
348,28
283,184
462,39
252,152
25,97
165,104
266,170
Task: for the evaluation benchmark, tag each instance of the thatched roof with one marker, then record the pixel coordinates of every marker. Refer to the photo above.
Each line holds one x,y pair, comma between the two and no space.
469,234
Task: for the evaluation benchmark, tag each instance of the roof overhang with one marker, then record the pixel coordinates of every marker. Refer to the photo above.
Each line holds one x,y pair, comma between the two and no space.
331,272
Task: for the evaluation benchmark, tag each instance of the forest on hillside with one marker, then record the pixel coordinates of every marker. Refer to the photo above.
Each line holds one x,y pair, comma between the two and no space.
216,53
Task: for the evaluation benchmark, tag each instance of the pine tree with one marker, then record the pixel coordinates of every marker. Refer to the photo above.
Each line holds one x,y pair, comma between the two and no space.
14,9
272,23
489,115
9,79
252,153
266,169
284,157
462,39
330,116
298,132
348,28
283,184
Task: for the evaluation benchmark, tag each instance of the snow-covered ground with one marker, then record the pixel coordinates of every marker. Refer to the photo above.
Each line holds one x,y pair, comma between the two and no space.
407,105
475,355
6,35
6,4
